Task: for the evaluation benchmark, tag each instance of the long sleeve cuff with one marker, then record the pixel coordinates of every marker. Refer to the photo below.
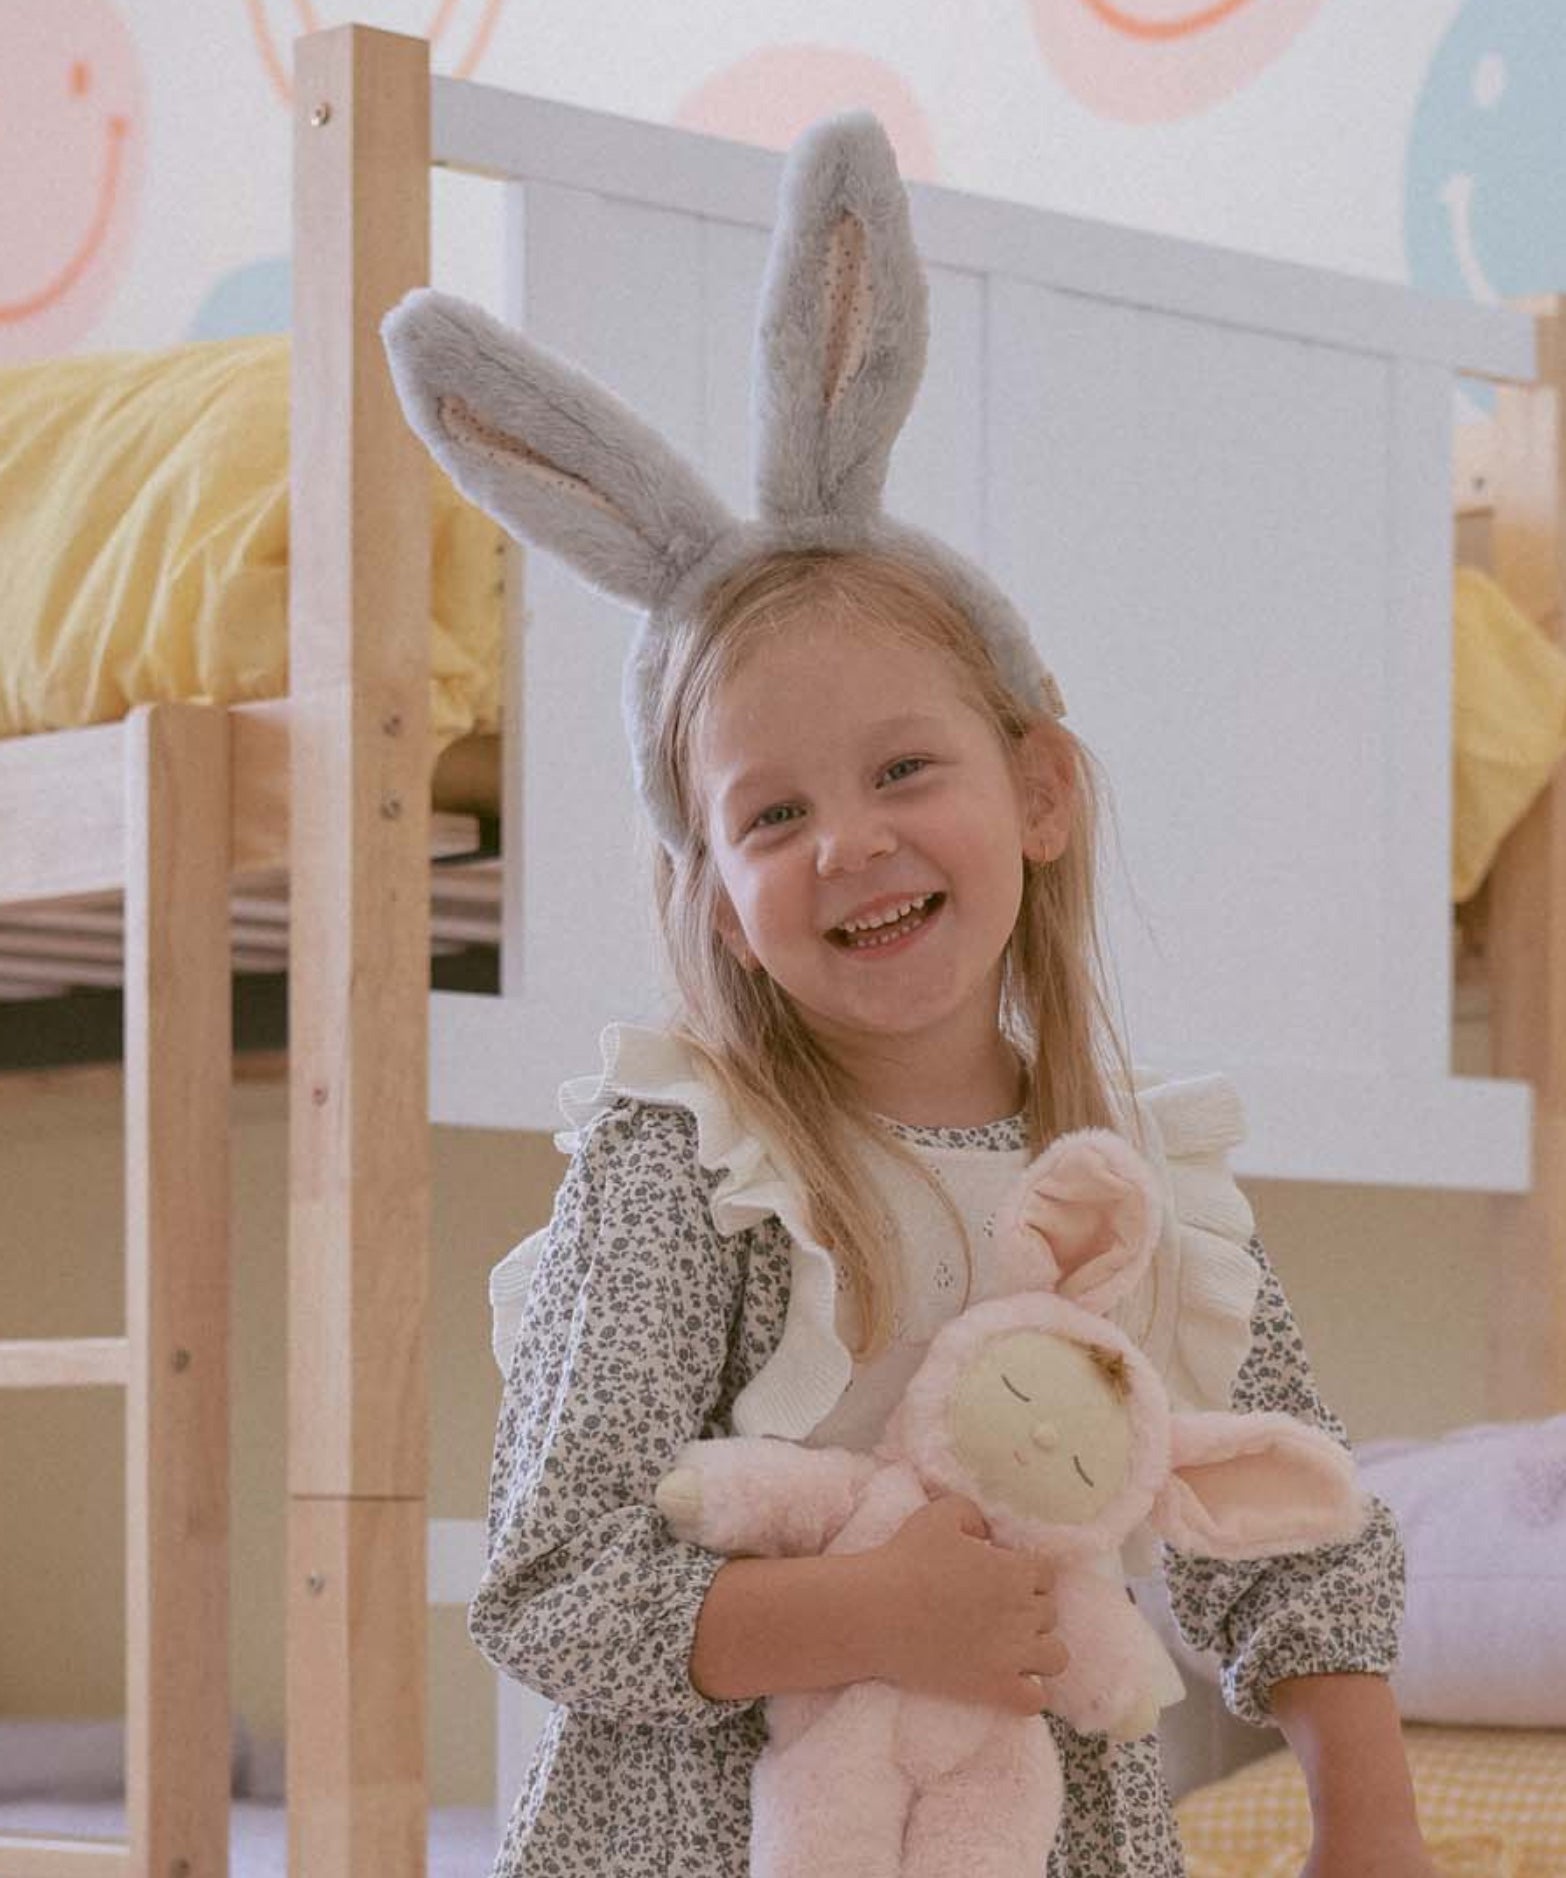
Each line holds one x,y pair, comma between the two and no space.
605,1624
1331,1612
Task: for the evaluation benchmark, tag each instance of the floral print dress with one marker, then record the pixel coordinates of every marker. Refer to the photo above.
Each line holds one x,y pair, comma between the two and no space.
643,1324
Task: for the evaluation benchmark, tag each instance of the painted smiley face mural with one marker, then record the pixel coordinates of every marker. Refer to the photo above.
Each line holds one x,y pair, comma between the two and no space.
1148,60
458,30
72,140
1485,181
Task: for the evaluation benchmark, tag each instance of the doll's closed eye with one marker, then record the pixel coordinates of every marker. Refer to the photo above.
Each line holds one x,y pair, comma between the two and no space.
1014,1389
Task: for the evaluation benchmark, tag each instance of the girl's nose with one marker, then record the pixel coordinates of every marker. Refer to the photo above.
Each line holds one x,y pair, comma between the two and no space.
1046,1436
848,841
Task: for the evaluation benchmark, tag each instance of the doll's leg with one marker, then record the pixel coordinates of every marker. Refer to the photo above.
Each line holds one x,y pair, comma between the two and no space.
833,1804
993,1817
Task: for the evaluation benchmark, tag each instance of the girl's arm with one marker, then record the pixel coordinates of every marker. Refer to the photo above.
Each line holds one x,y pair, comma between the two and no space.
1325,1621
1346,1734
935,1608
771,1626
622,1358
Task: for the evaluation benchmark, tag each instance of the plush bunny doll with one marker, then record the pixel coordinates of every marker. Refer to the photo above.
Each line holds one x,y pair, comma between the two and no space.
1037,1408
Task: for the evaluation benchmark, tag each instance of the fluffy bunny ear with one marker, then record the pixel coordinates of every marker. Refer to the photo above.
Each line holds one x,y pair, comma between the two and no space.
1252,1486
547,451
841,339
1083,1220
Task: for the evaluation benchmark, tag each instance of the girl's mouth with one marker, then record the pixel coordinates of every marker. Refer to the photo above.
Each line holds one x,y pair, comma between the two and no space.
879,940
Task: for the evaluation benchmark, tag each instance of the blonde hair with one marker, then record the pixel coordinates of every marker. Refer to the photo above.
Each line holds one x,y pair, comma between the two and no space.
1054,1009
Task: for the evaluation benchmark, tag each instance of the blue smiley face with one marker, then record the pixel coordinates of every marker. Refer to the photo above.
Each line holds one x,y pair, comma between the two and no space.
1485,206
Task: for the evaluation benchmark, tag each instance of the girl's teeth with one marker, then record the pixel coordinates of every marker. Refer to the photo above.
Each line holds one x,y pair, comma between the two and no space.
858,926
861,941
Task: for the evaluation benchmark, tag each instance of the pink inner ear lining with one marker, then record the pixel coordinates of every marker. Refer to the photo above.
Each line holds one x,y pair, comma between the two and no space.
1255,1486
846,305
1086,1274
1248,1484
463,425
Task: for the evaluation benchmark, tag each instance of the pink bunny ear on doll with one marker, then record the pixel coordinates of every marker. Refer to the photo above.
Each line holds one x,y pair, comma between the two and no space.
1082,1221
1252,1486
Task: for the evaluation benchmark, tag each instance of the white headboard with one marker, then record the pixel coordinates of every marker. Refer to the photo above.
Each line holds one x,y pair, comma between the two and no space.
1220,488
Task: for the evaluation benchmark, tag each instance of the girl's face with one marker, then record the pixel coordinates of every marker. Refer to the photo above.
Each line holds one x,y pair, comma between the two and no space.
849,784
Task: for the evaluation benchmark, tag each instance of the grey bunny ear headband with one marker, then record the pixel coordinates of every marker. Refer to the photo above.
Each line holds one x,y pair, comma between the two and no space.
559,460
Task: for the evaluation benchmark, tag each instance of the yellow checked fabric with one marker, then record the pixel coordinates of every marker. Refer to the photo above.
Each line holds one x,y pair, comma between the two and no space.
1492,1803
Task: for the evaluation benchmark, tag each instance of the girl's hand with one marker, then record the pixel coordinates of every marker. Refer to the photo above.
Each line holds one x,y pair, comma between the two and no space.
960,1617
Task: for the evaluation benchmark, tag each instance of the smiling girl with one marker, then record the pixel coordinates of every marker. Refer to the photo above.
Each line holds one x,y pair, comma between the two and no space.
876,888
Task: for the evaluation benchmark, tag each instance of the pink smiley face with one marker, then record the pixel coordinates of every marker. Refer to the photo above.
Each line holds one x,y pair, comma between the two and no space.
458,29
771,96
72,142
1147,60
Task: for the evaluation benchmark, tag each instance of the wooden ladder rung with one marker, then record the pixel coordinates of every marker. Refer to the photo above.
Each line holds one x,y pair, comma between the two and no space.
64,1363
62,1858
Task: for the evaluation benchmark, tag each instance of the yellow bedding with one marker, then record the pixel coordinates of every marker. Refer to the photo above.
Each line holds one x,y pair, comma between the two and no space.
144,556
1508,722
144,542
1492,1804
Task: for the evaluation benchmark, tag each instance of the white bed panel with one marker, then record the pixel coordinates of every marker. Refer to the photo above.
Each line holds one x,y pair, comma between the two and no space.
1416,952
503,134
1218,487
1228,687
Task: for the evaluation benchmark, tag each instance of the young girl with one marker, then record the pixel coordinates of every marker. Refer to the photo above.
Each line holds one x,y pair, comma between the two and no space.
875,885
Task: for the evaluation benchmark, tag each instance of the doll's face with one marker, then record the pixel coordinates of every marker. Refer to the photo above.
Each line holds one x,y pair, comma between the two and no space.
1042,1427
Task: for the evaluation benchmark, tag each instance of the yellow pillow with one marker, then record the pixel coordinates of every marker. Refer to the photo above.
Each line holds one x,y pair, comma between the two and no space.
1492,1804
144,542
1508,722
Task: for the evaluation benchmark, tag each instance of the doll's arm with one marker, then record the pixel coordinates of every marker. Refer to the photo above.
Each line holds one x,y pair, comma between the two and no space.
762,1497
1110,1684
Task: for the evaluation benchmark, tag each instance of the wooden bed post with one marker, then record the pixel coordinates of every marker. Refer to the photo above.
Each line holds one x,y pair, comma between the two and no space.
359,971
178,1066
1526,941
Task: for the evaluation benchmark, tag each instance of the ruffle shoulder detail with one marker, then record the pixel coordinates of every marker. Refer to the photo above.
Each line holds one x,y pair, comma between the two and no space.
1192,1312
810,1368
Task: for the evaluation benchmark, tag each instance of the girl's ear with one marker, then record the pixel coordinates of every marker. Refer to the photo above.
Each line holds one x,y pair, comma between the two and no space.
1252,1486
1049,789
732,933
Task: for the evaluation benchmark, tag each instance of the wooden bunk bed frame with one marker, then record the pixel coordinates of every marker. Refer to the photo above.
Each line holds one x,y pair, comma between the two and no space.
1524,963
172,804
168,806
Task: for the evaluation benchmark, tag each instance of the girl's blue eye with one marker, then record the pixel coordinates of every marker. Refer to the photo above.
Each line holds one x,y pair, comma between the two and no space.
909,765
